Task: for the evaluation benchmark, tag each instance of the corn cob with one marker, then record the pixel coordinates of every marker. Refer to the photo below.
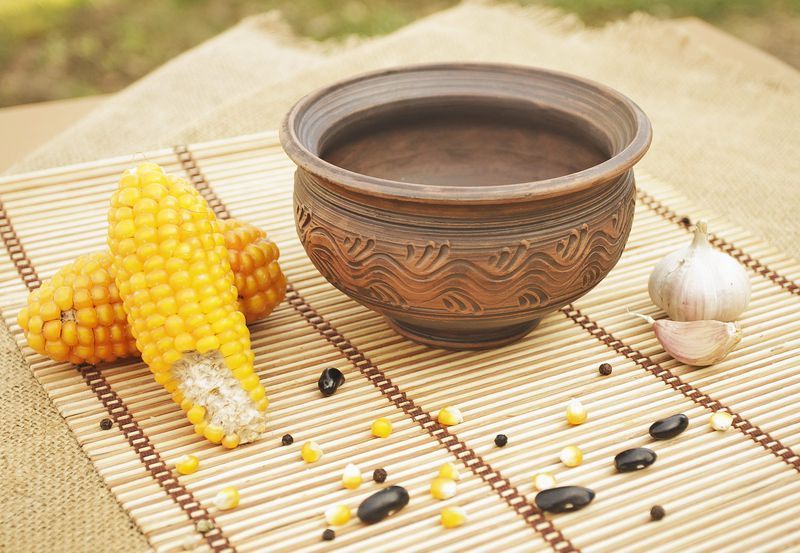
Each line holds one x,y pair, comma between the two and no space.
85,287
172,271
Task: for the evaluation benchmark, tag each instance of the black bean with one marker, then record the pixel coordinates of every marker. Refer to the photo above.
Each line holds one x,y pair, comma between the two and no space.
287,439
381,504
328,535
564,499
330,380
657,512
379,476
106,424
500,440
605,369
634,459
670,427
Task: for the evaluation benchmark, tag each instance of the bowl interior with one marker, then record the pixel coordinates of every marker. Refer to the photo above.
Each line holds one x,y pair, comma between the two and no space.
464,141
465,133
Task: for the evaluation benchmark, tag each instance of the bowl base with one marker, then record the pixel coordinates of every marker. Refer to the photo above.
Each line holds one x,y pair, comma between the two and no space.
439,338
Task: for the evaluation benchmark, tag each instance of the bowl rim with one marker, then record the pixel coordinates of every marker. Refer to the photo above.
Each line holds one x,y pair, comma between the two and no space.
563,185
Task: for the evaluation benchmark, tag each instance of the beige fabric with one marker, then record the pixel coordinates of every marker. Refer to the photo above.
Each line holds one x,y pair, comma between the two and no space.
725,134
147,114
52,499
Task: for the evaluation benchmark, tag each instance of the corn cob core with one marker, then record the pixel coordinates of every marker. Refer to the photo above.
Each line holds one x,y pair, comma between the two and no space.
101,333
172,272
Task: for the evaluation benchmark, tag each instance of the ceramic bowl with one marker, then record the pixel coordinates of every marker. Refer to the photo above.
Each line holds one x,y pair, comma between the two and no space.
464,202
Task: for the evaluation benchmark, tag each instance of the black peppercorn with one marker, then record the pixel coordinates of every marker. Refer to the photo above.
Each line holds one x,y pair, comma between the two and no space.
379,476
106,424
500,440
657,512
685,221
287,439
605,369
328,535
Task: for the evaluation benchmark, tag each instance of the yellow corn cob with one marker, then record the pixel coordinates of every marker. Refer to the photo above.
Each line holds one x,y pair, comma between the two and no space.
87,284
77,315
257,275
177,287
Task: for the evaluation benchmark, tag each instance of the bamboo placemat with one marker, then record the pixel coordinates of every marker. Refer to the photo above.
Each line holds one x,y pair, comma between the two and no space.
733,491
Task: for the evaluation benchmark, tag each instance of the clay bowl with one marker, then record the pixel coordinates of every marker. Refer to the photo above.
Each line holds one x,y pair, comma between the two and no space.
464,202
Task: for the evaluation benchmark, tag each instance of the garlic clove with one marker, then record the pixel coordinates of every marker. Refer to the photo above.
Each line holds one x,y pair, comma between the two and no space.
699,282
697,343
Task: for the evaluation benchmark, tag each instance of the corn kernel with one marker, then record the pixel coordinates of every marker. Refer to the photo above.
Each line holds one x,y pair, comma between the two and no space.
576,414
450,471
227,498
230,441
721,421
311,452
453,517
214,433
572,456
450,416
382,428
337,515
544,480
196,414
443,488
187,464
351,477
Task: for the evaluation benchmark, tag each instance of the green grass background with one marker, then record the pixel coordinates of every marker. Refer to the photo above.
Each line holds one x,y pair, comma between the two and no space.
52,49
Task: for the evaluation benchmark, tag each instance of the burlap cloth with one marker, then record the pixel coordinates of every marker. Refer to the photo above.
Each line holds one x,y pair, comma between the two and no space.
726,134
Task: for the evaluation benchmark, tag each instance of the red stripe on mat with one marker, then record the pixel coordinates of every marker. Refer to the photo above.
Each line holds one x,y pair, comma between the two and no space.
474,462
118,410
745,259
471,460
746,427
150,458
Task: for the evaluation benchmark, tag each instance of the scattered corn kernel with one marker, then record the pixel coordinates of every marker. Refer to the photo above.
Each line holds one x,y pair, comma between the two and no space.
450,471
544,480
311,452
450,416
443,488
721,420
86,284
576,414
187,464
572,456
227,498
204,525
453,517
351,477
382,428
338,515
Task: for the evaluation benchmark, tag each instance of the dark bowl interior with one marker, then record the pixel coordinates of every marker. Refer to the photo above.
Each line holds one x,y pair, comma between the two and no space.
465,133
465,141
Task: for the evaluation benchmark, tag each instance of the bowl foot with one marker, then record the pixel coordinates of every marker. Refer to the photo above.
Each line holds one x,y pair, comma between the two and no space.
485,339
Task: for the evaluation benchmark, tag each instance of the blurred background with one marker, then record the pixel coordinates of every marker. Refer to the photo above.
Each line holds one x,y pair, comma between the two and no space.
56,49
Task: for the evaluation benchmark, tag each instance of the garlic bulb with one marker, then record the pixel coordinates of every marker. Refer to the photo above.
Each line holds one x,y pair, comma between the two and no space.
697,343
699,282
